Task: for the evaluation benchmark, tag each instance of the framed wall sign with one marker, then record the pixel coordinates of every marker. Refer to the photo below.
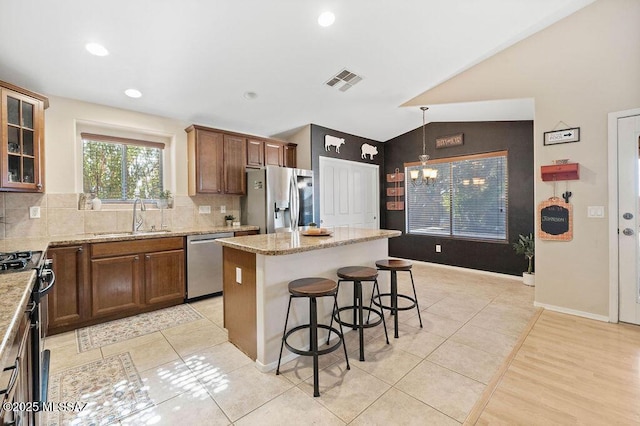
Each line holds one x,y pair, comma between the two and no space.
451,140
562,136
555,220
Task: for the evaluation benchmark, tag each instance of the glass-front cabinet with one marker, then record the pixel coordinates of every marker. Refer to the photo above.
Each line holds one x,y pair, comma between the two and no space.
22,167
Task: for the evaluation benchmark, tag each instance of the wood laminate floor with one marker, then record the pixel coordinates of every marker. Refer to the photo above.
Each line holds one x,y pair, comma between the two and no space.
567,370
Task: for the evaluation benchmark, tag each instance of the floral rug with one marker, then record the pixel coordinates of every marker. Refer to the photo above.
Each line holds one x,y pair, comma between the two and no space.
116,331
102,392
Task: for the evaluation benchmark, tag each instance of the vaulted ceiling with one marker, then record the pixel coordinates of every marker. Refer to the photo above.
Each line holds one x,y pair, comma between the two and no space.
196,60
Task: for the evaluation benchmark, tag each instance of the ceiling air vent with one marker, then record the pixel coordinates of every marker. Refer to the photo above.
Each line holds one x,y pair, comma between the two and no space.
344,80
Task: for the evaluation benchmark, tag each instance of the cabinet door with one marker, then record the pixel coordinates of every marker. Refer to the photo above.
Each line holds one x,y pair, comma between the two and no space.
290,156
65,301
209,161
255,153
164,277
234,159
273,154
115,285
22,122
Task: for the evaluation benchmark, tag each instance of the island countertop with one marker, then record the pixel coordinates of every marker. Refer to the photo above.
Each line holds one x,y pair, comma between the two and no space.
282,243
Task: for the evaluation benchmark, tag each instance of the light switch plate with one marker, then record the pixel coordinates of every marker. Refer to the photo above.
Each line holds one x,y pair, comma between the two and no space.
204,209
34,212
595,211
223,209
238,275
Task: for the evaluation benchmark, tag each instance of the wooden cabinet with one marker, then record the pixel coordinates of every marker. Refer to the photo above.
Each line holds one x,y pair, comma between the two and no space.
115,285
255,153
65,301
128,277
16,377
290,155
164,277
273,154
270,153
216,162
22,145
106,281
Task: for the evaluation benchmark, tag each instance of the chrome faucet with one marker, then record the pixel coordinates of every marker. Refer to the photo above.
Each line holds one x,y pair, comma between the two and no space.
137,220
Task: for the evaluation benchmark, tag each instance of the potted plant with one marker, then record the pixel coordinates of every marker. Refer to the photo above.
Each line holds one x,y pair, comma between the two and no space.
165,199
229,218
526,245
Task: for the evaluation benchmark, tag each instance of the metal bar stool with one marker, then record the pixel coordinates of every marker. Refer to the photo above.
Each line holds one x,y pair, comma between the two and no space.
358,274
313,288
395,265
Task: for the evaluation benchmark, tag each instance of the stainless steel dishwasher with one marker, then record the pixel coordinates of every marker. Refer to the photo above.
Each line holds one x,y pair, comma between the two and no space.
204,265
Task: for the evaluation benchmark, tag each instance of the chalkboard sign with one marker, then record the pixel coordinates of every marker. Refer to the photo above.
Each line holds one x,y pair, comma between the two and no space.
555,219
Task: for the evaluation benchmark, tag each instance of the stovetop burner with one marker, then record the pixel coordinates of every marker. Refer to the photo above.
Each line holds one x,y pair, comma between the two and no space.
19,260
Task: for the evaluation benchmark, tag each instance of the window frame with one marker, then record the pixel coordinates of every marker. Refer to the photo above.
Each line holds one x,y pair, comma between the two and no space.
125,142
450,161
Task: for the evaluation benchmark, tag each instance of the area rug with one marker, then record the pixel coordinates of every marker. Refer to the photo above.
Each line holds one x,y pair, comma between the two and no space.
116,331
103,391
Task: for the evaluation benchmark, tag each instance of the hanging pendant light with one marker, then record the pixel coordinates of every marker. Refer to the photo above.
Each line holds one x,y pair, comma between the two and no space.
428,175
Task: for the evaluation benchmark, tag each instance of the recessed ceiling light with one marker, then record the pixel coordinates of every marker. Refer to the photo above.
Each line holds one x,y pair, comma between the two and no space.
96,49
326,19
133,93
250,95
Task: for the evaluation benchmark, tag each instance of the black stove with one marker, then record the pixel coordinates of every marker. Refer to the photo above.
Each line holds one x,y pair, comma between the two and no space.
19,261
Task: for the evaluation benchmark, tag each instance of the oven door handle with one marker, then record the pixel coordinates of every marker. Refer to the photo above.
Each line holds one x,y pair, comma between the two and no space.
14,377
51,282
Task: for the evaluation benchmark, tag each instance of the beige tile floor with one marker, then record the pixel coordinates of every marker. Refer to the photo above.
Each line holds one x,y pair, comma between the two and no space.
432,375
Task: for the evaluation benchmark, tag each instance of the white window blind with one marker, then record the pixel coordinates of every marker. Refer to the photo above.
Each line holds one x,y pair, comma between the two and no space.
468,199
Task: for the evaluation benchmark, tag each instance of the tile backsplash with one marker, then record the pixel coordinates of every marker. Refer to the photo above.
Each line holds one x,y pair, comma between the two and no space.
59,215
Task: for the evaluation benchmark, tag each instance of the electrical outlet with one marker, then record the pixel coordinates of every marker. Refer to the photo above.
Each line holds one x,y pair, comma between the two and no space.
438,248
223,209
34,212
204,209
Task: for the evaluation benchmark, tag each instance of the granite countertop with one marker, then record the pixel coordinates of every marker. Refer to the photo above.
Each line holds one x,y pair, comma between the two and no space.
282,243
15,292
15,287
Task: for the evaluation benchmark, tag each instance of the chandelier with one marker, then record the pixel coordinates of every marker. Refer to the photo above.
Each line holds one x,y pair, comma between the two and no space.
429,175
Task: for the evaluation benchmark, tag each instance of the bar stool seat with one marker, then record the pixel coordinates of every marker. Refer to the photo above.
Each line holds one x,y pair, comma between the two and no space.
313,288
358,274
395,266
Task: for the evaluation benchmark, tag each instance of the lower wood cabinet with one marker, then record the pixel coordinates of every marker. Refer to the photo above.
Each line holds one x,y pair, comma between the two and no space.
105,281
65,302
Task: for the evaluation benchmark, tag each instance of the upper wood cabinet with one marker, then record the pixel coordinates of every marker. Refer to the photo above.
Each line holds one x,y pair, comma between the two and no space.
22,165
216,161
270,153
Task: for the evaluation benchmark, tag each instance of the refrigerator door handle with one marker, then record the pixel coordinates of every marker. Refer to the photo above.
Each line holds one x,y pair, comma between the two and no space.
294,208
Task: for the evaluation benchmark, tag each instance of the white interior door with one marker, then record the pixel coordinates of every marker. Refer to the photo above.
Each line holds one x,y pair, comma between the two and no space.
628,210
348,193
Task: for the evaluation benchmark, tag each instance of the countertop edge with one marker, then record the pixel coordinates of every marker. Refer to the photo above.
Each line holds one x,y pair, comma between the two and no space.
14,323
279,252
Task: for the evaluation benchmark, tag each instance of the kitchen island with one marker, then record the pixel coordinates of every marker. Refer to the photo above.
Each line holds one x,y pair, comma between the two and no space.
258,268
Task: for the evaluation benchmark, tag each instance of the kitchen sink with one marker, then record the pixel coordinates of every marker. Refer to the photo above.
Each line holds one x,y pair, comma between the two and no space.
130,234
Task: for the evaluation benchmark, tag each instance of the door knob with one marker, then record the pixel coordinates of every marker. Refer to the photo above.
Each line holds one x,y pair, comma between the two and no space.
627,231
628,216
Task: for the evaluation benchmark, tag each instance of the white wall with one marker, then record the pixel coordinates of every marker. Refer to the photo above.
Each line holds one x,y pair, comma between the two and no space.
578,70
62,148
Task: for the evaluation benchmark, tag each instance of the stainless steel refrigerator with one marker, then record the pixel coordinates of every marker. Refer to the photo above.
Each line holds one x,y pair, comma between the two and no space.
278,199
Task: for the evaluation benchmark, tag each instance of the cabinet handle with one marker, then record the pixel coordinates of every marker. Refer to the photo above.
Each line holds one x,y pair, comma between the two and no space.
147,257
136,258
39,186
80,249
14,377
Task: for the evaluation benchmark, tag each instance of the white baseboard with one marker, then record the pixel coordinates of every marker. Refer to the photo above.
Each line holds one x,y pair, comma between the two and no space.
562,310
461,269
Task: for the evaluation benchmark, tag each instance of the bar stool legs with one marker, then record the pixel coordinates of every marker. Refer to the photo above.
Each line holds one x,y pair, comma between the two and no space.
312,288
393,266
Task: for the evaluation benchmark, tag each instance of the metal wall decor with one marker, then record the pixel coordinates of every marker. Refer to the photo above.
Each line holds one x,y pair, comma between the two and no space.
396,191
448,141
332,141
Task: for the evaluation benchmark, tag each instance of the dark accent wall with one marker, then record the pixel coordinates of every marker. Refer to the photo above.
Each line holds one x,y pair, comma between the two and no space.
349,151
514,136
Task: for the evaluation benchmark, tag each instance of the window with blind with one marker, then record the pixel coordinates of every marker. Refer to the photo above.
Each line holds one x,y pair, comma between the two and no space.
468,199
119,169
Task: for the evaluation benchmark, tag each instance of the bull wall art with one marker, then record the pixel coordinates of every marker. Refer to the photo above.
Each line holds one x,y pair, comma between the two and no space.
369,150
330,141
